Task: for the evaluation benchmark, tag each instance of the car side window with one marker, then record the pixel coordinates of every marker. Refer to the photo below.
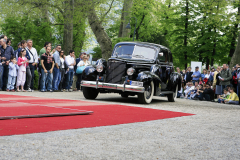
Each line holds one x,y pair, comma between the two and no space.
170,57
163,56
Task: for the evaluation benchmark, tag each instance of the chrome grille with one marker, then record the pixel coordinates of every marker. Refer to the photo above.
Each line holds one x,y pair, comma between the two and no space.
115,71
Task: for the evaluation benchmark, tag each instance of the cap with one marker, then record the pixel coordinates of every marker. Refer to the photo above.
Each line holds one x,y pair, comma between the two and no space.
196,67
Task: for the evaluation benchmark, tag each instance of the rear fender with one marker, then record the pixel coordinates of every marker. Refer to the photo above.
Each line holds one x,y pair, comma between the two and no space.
175,79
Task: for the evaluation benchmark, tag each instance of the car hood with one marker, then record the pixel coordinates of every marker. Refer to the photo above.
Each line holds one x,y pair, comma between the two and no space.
133,60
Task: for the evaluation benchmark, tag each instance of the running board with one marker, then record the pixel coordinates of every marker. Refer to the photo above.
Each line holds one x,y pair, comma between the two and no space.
167,92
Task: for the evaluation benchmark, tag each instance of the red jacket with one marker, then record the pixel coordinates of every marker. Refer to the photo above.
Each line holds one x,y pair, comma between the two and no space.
234,80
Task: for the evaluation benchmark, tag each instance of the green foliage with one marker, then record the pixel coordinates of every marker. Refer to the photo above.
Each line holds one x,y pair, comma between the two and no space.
23,28
211,33
121,39
97,52
36,80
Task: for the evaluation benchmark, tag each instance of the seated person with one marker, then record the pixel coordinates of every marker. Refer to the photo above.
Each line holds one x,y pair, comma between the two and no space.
200,88
190,88
207,94
194,93
233,98
201,80
186,88
224,96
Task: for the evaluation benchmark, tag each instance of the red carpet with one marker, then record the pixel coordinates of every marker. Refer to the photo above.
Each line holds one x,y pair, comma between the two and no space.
104,114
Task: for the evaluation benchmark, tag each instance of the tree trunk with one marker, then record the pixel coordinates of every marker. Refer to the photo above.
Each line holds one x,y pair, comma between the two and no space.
127,13
235,30
207,63
68,26
166,31
137,29
98,30
186,32
121,24
236,56
233,42
214,47
44,14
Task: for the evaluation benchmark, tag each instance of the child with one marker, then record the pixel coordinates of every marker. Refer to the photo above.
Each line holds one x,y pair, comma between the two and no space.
233,98
223,97
190,88
206,78
193,94
200,81
22,63
12,74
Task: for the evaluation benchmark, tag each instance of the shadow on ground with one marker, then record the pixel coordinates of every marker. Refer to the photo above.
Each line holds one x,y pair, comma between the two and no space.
131,100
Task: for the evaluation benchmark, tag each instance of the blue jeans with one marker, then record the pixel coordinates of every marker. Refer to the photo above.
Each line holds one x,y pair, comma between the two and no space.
69,78
222,87
220,100
233,102
56,78
46,80
11,82
238,90
1,76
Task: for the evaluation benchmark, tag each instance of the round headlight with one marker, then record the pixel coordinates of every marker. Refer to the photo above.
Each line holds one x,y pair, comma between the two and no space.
99,68
130,71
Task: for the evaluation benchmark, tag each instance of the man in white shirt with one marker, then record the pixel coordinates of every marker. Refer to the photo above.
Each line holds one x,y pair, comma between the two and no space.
70,61
32,63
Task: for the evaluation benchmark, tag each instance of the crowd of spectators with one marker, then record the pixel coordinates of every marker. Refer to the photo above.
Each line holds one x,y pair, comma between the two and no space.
221,84
56,71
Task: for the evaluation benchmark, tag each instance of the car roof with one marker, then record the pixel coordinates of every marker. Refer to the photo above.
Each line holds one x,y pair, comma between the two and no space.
144,43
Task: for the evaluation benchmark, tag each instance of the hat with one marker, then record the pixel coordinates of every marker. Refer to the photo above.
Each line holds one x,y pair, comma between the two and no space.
19,43
196,67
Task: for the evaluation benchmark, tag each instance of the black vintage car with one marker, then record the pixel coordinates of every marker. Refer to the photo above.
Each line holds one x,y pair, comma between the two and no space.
135,68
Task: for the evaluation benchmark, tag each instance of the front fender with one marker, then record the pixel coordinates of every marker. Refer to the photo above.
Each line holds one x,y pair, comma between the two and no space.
89,73
146,77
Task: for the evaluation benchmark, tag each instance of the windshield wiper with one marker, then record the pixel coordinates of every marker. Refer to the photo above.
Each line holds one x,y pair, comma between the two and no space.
138,56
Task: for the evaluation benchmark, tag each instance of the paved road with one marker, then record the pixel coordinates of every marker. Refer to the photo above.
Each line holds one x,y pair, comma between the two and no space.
212,133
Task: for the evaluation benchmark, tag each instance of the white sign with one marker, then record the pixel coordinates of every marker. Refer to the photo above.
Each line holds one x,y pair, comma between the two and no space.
194,64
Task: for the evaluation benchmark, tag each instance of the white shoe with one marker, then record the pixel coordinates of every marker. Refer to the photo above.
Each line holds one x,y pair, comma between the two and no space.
29,90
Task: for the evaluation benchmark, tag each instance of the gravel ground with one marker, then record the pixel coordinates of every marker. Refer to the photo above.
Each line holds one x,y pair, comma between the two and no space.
212,133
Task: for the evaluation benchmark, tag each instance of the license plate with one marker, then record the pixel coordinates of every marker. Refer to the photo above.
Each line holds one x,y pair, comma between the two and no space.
136,83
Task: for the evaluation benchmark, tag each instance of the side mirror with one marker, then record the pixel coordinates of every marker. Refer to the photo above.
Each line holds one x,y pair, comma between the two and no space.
160,54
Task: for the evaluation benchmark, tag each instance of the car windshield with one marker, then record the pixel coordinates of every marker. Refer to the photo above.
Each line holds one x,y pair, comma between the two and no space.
134,52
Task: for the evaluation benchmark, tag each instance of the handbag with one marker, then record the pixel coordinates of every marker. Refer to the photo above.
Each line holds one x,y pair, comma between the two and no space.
80,69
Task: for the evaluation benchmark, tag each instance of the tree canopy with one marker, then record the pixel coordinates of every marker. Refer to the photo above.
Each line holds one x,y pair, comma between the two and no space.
194,30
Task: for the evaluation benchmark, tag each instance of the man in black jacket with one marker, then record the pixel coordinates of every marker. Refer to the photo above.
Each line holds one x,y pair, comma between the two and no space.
6,53
207,93
188,75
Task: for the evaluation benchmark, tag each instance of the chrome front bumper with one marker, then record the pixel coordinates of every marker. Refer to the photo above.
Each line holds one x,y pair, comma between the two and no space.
122,87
